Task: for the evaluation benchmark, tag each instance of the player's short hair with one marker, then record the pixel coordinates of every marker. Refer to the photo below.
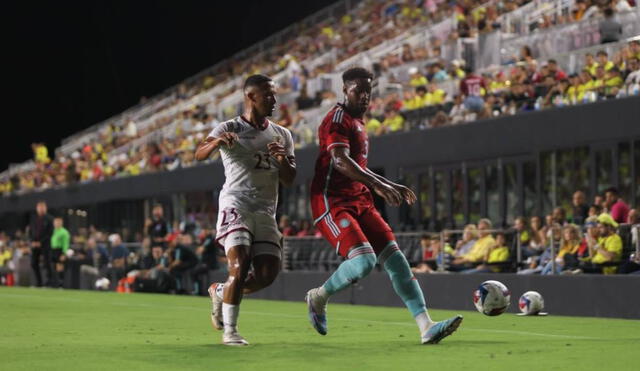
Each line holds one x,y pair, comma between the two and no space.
356,73
256,80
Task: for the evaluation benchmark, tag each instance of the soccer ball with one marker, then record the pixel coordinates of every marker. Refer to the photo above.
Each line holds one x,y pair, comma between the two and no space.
491,298
531,303
102,283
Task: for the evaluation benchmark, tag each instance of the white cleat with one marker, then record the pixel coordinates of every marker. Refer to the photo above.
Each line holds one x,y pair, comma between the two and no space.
216,307
317,309
233,339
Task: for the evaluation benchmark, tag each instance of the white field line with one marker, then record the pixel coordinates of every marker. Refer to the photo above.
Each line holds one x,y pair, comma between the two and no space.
302,317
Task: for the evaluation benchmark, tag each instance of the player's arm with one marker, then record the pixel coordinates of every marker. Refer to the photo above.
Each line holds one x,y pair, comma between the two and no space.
286,163
211,143
349,168
406,192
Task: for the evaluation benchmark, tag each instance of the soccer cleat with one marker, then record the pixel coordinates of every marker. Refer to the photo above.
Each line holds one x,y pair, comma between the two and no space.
441,330
317,311
216,307
233,339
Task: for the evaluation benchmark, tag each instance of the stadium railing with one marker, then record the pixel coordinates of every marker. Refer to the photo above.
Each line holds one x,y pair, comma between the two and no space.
564,39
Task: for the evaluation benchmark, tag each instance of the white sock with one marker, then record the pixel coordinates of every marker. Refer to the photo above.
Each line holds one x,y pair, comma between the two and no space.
220,290
424,321
230,314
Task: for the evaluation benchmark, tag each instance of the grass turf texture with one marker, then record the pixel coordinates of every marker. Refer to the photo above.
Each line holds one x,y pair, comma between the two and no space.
56,330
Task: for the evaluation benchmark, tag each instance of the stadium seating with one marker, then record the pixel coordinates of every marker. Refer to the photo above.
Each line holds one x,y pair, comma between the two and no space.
161,133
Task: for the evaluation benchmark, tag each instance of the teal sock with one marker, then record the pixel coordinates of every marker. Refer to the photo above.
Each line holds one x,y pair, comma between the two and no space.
404,283
361,261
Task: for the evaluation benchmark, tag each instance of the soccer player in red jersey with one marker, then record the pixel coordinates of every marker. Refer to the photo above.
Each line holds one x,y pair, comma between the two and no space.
343,211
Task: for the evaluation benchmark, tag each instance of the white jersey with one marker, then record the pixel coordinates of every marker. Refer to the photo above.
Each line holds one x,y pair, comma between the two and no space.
251,174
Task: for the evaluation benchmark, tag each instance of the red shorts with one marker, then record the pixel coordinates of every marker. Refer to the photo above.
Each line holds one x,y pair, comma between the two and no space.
347,225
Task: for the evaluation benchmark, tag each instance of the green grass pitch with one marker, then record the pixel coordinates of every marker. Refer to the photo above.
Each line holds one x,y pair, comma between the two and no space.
76,330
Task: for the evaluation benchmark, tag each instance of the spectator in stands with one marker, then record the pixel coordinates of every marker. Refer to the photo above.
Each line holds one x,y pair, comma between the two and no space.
117,259
469,238
417,78
632,81
479,249
40,232
393,121
6,254
182,260
569,246
407,53
616,207
439,73
372,124
603,60
430,249
520,97
559,216
207,254
496,255
580,207
590,64
522,230
306,229
606,251
538,239
435,95
286,227
458,111
610,29
60,242
157,228
555,71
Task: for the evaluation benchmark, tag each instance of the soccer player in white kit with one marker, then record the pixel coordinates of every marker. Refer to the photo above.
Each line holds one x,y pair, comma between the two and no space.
257,155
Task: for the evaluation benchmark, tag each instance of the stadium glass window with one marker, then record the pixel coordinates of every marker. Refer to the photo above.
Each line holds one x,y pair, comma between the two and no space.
424,197
636,163
303,207
548,182
475,194
529,182
572,174
457,195
493,193
624,171
511,189
441,198
407,212
604,165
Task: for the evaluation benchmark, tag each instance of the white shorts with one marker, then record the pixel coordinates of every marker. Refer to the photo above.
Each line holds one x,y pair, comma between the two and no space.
242,228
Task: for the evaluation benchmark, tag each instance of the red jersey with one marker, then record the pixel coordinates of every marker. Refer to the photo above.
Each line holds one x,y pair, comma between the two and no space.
338,128
470,85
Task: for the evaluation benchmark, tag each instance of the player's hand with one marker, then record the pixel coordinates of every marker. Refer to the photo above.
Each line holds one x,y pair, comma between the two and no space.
388,193
406,193
277,150
228,138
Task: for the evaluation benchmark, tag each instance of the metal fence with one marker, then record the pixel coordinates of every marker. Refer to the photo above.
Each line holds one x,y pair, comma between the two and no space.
315,254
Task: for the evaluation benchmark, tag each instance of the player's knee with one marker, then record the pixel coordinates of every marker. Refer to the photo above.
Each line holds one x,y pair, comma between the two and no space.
266,277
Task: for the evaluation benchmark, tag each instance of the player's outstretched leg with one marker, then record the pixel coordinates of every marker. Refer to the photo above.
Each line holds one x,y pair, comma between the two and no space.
265,271
407,287
361,260
239,262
